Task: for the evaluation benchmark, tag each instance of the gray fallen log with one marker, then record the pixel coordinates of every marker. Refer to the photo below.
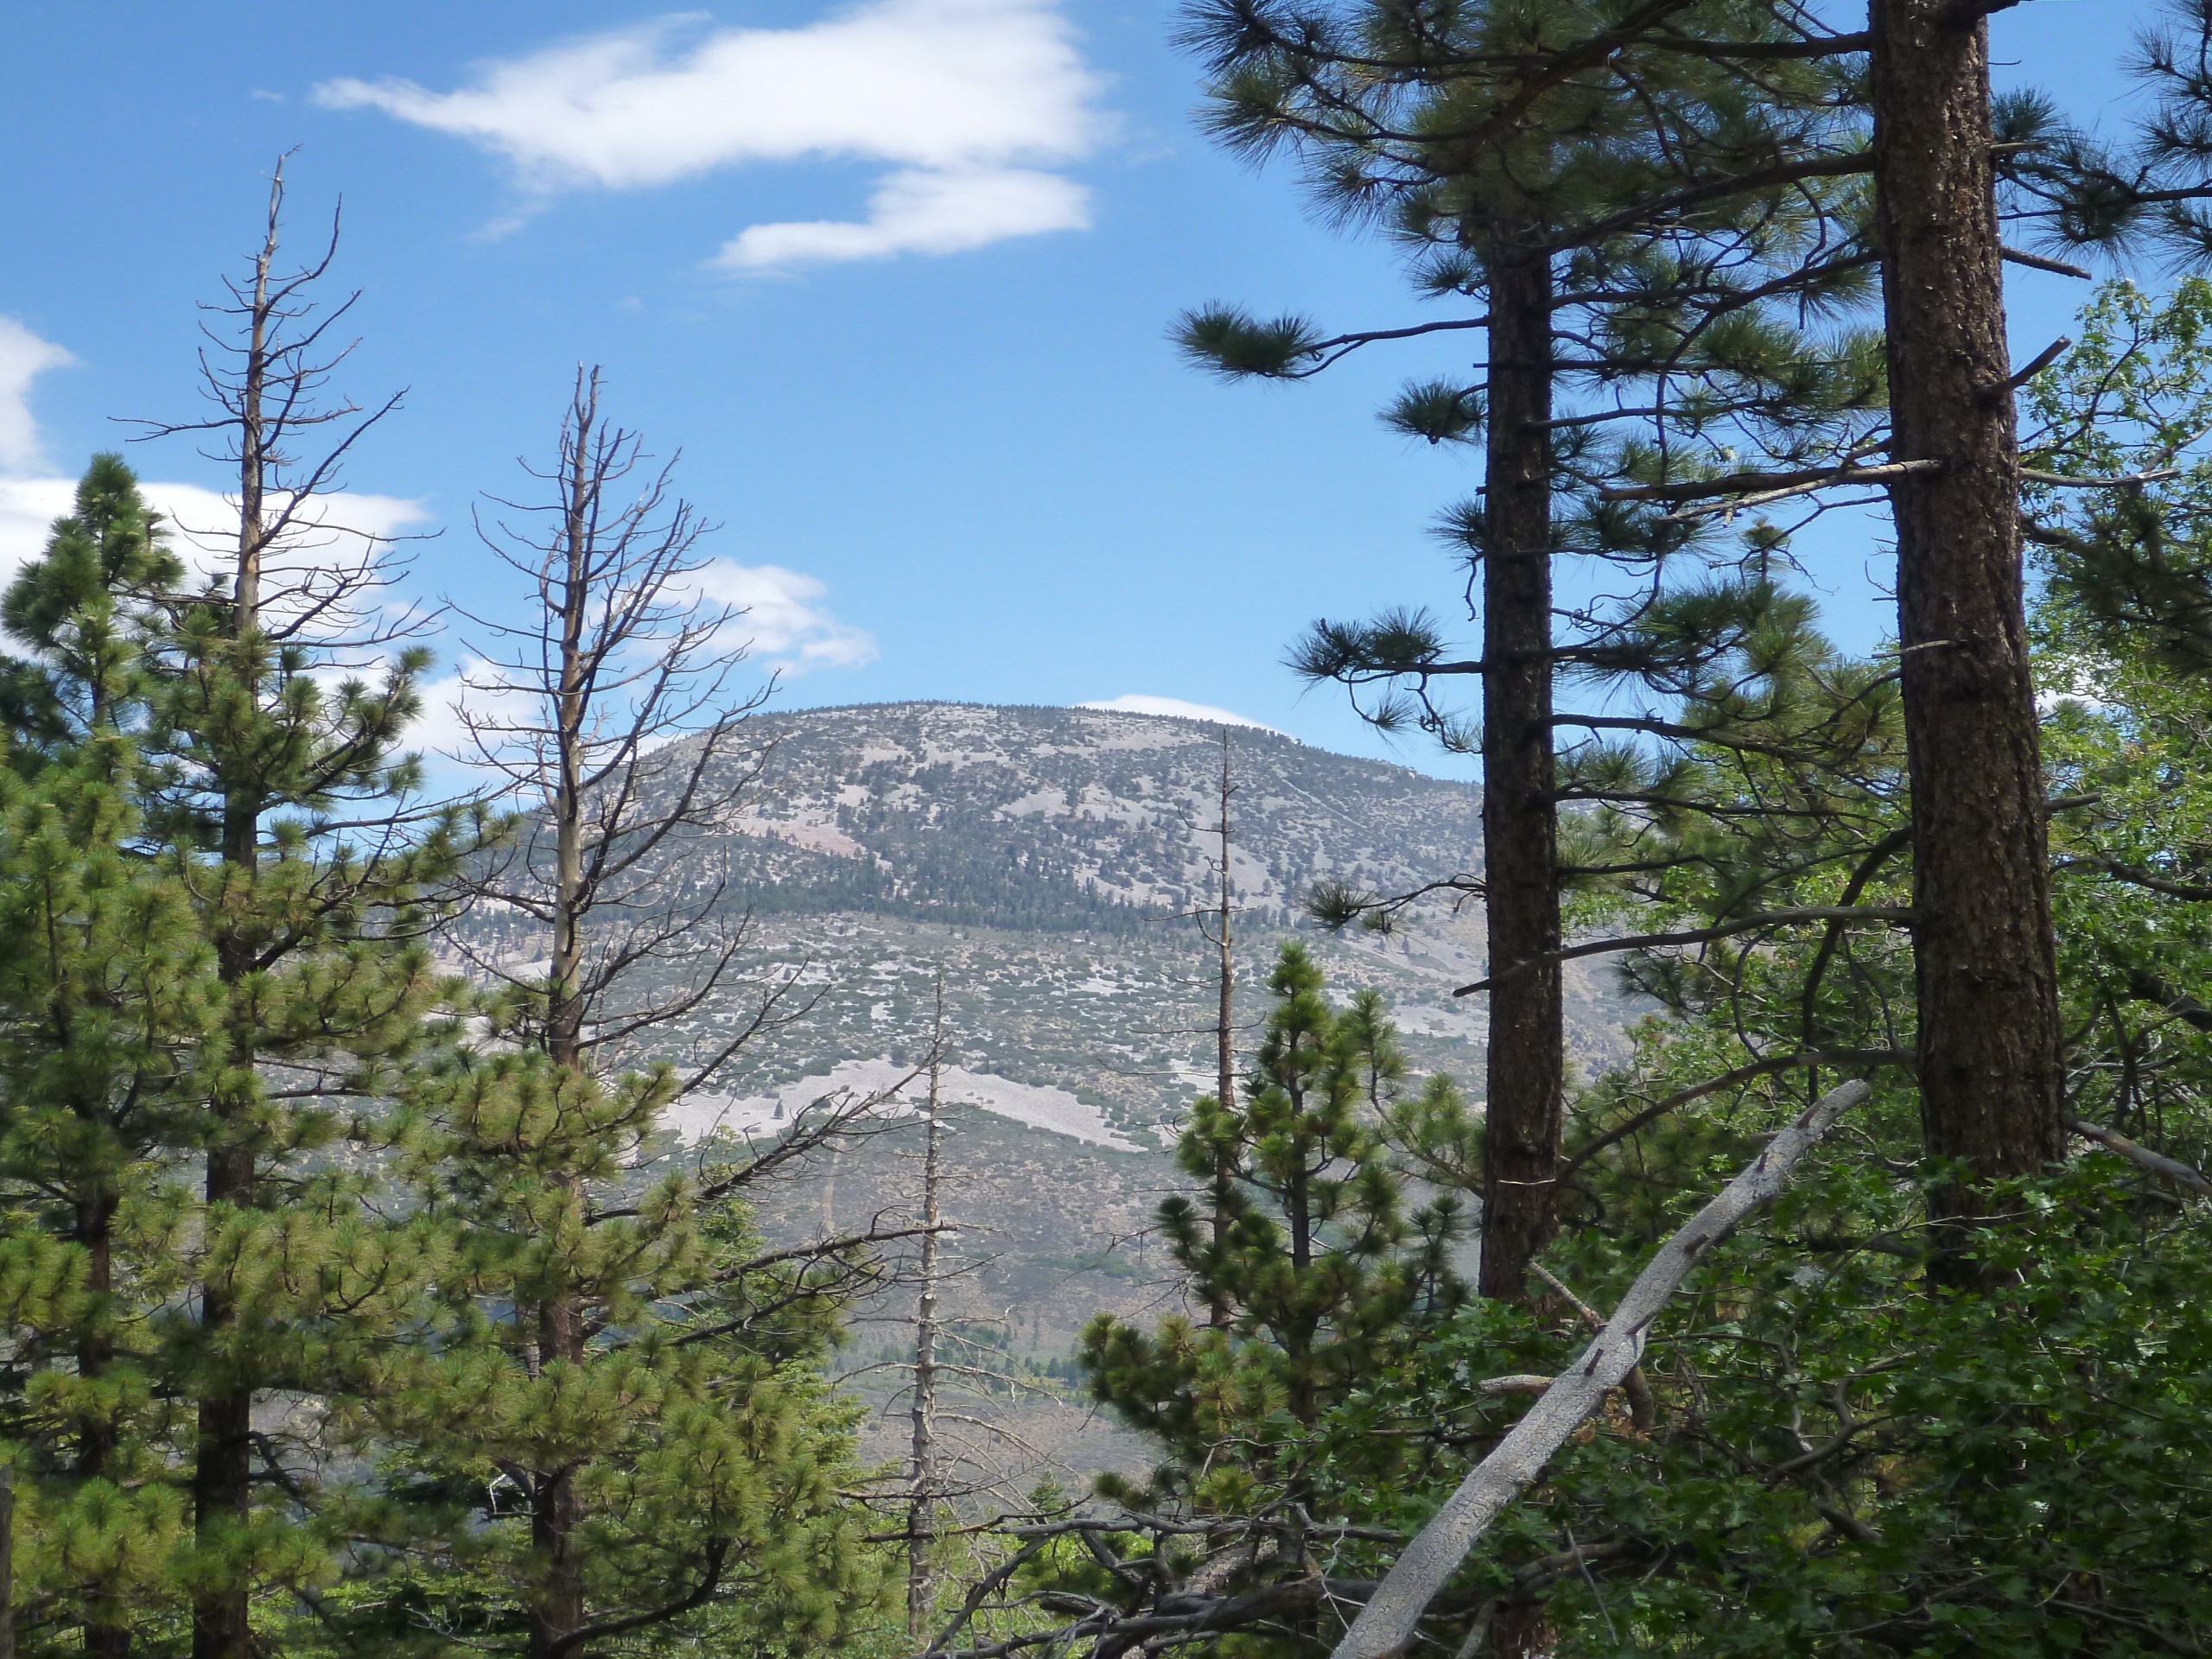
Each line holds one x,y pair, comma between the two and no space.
1387,1624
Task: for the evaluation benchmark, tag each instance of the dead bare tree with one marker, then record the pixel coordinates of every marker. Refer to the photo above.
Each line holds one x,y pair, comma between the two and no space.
613,718
1224,1023
921,1509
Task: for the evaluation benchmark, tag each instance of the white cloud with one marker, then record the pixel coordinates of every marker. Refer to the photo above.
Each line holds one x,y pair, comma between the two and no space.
27,507
920,212
202,520
785,620
1136,703
964,99
23,357
785,625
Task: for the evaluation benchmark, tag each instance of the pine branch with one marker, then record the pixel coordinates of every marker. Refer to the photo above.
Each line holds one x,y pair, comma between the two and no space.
2135,876
1729,1079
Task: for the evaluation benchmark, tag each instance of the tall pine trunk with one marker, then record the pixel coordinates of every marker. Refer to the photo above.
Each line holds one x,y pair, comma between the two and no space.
96,1445
222,1484
921,1508
1989,1034
1526,1064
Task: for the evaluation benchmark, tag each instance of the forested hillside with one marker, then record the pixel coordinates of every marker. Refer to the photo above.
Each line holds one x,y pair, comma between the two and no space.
674,1174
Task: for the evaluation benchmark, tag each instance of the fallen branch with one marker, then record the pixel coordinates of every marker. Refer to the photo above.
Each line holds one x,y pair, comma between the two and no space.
1387,1624
2165,1168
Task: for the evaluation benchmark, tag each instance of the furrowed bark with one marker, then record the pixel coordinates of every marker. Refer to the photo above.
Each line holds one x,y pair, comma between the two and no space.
1390,1623
1989,1037
1526,1060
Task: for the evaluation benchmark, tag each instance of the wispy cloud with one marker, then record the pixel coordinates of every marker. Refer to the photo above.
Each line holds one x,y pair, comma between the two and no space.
1137,703
788,626
23,357
971,103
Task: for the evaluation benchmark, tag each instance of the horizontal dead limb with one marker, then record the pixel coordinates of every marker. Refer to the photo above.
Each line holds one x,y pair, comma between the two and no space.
1706,489
1892,913
1816,46
2165,1168
2041,262
2020,376
1390,1621
2123,481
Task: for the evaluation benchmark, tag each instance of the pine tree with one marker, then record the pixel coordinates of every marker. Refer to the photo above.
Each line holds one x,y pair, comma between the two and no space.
105,1014
1955,169
1333,1273
288,801
1823,1489
1647,219
1329,1272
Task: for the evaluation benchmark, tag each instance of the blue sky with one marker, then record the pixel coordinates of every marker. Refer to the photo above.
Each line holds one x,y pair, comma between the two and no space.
895,278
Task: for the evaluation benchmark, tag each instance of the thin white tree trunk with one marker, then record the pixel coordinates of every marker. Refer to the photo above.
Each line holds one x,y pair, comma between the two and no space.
921,1509
1225,1027
1387,1624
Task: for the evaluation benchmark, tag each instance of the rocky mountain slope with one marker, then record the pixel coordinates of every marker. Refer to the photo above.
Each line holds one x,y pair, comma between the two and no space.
1047,862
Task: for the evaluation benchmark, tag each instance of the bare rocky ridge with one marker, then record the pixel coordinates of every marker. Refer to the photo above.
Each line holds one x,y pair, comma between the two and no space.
1049,858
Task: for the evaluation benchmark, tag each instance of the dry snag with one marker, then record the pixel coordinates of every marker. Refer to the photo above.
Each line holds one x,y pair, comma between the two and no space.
1387,1624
